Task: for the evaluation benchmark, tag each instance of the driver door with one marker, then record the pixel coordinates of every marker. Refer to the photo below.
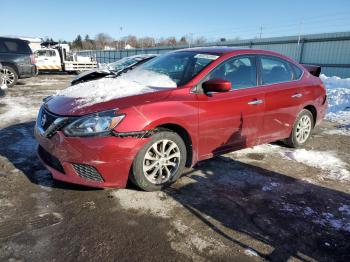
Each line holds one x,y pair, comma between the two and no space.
231,120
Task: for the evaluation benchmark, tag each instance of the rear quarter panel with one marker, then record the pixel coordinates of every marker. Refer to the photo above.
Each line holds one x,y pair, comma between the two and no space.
314,94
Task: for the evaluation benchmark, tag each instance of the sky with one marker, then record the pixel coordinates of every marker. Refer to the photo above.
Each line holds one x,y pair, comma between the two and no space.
63,20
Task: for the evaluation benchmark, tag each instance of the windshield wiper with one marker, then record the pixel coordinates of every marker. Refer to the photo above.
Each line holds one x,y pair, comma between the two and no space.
124,70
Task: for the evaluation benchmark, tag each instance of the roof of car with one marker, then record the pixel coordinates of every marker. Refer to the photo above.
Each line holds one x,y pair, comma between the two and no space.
13,39
214,49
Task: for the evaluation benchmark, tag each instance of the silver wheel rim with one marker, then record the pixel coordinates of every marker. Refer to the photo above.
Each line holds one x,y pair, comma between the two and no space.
161,161
7,76
303,129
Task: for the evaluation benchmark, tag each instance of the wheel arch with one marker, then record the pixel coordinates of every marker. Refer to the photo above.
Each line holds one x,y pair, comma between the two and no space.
12,65
313,111
185,135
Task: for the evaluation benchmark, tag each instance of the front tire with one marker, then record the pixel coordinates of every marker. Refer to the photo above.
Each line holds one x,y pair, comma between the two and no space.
301,131
9,75
160,162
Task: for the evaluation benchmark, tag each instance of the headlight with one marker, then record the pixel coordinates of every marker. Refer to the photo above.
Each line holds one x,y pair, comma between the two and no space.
99,124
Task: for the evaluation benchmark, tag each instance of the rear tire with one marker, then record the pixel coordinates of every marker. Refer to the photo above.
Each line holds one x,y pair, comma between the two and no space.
160,162
9,75
302,129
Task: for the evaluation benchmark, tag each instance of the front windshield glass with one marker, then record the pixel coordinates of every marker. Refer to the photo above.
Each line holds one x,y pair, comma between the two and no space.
181,67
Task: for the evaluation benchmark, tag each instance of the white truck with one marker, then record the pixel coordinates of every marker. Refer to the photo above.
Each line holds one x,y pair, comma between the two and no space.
59,58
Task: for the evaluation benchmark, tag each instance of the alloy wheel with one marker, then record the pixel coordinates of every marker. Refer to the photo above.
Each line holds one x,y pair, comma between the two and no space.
7,76
161,161
303,129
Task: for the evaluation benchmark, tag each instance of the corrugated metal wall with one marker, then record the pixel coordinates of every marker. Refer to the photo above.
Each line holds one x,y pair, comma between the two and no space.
330,50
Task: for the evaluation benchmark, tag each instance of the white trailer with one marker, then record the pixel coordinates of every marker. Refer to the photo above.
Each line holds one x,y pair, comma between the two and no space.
58,58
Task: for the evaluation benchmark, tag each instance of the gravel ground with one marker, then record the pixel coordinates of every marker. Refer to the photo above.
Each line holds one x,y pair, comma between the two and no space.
266,203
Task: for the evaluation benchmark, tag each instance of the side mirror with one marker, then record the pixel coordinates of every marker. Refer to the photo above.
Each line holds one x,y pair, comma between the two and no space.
216,85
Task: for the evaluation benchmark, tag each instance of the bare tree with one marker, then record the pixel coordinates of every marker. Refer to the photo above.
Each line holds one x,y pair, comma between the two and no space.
200,40
145,42
131,40
183,41
88,43
102,40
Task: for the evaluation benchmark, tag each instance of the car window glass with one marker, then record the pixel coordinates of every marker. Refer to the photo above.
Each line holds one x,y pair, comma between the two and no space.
241,72
12,46
297,71
275,70
2,48
16,46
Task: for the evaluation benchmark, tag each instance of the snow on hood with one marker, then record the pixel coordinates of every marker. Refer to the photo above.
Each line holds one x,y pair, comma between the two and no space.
132,83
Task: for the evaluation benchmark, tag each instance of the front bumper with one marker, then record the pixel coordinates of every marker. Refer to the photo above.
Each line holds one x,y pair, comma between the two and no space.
111,157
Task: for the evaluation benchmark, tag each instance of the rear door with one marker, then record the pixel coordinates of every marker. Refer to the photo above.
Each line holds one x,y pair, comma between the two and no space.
231,120
283,97
48,59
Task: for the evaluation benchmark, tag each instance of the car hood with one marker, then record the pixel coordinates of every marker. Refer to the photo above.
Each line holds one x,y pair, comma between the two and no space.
68,106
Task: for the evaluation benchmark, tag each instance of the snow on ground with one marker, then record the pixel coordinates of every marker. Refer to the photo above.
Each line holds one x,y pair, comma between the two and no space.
338,93
131,83
41,82
20,109
338,222
328,162
333,167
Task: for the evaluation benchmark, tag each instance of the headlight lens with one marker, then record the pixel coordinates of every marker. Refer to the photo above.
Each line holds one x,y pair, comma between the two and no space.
99,124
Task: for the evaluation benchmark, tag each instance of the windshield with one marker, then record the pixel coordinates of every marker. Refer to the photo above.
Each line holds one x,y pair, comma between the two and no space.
126,62
181,67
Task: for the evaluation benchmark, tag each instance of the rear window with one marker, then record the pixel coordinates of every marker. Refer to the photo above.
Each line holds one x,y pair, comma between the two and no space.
47,53
275,70
297,71
16,46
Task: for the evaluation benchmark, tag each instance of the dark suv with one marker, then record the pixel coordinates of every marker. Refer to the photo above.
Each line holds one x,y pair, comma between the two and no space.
17,60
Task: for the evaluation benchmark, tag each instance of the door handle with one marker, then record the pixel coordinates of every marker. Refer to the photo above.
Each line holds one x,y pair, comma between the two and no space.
256,102
297,95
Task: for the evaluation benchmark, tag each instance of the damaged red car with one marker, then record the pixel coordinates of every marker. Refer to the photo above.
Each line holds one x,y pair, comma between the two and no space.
148,124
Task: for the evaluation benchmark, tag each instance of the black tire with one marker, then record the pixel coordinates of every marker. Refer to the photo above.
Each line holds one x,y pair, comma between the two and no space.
137,175
10,71
293,140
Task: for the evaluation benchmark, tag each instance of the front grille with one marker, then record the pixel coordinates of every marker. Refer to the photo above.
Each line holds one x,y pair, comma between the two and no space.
88,172
50,160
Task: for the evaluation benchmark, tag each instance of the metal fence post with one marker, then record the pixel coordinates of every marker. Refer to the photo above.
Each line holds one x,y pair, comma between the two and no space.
302,42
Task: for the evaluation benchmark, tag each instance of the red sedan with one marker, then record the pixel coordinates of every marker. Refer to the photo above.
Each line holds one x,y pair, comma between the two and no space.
224,99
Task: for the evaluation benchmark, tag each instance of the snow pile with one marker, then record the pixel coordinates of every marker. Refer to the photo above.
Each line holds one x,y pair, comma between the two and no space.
338,93
134,82
3,86
327,161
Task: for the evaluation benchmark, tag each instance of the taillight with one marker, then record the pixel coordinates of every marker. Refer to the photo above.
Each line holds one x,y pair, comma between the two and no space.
32,59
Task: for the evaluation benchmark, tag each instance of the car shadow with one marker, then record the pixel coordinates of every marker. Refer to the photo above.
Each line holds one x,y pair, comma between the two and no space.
18,145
